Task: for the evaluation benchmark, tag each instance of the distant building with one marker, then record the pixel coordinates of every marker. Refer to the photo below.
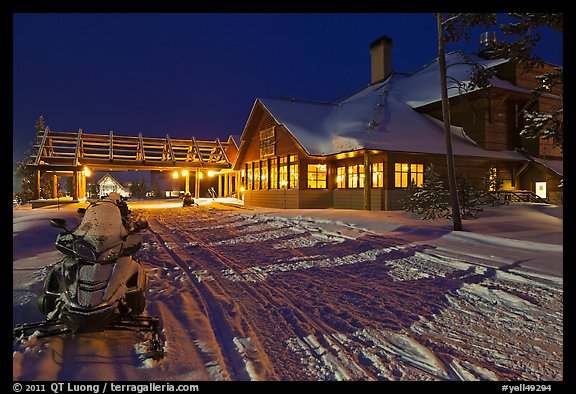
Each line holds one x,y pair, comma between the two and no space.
108,184
363,151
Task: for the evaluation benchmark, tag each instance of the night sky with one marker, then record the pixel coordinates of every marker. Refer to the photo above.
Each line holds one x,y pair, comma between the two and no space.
199,74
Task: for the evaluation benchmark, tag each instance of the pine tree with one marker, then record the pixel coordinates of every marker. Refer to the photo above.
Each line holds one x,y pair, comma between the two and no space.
492,184
156,190
28,173
470,198
431,200
138,188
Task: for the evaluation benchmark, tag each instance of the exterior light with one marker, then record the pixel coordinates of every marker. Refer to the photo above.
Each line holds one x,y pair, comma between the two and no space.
184,172
211,174
87,172
175,175
200,175
242,190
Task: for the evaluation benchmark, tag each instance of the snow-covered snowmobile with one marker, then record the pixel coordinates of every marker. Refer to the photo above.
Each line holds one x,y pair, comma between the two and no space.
98,285
187,200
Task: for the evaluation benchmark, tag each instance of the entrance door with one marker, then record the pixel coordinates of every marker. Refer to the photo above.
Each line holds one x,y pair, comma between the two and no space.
541,189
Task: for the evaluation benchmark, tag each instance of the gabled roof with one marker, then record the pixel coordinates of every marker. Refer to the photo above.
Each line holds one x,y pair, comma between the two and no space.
382,116
107,176
555,165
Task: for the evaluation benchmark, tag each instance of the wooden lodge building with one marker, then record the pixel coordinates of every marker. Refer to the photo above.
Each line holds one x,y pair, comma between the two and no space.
362,152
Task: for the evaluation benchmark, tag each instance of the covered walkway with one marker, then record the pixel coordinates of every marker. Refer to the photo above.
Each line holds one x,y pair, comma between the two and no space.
77,154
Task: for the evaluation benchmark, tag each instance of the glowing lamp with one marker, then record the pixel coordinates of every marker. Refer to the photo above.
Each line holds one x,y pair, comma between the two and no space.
175,175
87,172
184,172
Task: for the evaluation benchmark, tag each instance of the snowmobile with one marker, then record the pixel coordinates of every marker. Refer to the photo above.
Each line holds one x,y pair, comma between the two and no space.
187,200
97,285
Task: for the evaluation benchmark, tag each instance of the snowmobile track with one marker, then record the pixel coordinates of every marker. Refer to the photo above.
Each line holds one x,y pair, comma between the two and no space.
224,332
324,336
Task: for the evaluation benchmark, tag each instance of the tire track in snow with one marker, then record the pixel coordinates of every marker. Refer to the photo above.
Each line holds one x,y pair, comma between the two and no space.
463,353
219,317
325,345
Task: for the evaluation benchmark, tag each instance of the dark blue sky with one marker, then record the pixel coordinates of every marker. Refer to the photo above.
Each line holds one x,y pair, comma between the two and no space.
199,74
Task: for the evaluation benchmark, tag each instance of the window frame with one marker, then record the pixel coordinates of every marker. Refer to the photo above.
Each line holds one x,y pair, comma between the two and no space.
320,176
408,172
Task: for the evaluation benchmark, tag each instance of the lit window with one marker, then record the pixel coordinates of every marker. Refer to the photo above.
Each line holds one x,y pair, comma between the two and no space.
492,176
264,174
293,164
273,173
317,176
256,175
404,171
356,176
283,172
417,174
341,177
377,174
249,184
352,176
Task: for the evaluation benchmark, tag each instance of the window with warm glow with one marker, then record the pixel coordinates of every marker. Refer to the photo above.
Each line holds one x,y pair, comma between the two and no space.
249,183
377,174
283,172
417,174
493,175
256,175
264,174
340,177
405,173
352,176
317,176
356,176
273,174
293,164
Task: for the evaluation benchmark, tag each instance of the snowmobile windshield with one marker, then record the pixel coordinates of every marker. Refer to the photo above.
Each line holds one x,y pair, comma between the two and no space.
101,230
86,252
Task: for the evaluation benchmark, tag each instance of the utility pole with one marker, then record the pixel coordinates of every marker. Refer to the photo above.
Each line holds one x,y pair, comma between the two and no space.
456,219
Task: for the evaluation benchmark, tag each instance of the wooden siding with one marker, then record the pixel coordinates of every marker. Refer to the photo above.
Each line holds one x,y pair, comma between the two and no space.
516,75
392,199
354,199
538,173
348,198
315,198
274,198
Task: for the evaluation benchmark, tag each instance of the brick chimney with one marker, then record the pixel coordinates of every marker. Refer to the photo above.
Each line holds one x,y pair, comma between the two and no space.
381,54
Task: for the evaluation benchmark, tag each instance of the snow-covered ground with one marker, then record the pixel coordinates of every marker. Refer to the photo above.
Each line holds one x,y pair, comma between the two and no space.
267,294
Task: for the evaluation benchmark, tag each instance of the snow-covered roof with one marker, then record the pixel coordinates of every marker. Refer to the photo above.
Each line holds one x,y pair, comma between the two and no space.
109,178
555,165
423,85
382,116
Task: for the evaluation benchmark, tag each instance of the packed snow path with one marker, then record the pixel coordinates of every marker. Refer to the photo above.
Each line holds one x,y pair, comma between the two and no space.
247,296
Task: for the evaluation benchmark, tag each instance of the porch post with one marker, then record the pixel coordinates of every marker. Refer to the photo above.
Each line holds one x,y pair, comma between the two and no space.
38,176
82,192
197,184
54,186
367,181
